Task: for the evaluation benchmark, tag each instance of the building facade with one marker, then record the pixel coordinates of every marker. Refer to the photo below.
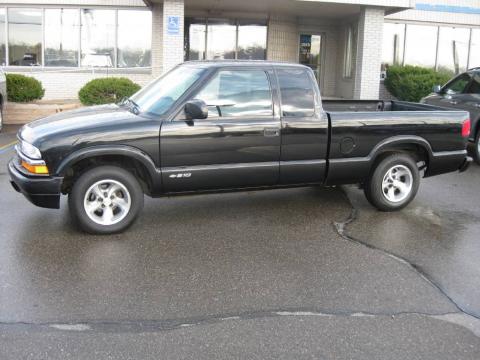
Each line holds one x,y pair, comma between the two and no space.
65,43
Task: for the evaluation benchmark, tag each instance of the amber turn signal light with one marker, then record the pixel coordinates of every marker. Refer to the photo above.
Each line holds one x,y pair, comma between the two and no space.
35,169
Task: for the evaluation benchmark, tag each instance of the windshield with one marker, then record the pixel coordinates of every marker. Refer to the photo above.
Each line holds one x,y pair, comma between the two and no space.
157,97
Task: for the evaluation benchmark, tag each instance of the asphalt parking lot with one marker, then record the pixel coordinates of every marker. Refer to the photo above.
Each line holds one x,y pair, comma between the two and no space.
294,274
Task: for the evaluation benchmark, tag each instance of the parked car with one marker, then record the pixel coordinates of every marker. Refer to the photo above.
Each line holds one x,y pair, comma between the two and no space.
462,93
225,126
3,96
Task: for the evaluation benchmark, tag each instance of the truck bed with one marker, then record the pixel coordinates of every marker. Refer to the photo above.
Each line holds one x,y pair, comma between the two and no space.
375,105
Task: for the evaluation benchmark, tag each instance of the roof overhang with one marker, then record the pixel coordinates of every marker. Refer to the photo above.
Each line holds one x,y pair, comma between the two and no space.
310,8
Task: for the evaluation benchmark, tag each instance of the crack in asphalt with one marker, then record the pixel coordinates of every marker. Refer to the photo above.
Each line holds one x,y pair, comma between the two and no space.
135,326
341,227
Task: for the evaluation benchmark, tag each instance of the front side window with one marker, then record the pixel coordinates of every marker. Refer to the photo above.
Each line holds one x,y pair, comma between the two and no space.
475,85
238,93
134,46
98,37
25,36
457,85
62,27
159,96
297,94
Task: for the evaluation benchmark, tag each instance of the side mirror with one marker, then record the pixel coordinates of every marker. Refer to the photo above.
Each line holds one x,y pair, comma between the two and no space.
436,89
196,109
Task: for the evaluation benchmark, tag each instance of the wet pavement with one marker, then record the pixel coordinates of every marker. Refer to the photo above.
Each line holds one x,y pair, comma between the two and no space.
295,273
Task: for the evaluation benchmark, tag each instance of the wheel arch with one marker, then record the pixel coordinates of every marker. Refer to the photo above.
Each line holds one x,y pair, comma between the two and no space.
127,157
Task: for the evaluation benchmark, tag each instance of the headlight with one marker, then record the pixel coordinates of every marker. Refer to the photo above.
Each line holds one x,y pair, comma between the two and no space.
30,151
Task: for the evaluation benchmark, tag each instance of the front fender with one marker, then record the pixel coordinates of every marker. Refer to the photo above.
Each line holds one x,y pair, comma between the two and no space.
118,150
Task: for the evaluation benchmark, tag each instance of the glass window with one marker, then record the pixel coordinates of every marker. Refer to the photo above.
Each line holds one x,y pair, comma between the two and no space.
195,32
453,49
134,46
238,93
297,93
2,38
221,39
457,85
252,41
62,28
393,42
475,49
157,97
98,37
421,45
25,36
475,85
348,52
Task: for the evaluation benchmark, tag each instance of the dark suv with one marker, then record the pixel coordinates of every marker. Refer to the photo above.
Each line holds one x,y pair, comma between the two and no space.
462,93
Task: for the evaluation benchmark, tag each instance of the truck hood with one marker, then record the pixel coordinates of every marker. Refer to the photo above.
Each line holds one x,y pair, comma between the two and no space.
73,124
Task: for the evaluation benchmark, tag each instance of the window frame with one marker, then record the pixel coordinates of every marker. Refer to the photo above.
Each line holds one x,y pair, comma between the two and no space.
79,9
315,90
212,76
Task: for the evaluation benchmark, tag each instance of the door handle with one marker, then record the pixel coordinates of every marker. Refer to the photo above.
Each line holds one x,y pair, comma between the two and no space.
271,132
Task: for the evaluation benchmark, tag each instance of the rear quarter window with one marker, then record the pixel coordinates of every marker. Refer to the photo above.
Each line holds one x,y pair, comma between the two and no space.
297,93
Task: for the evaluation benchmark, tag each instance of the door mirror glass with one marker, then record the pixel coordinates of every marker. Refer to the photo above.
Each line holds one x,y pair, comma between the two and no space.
436,89
196,109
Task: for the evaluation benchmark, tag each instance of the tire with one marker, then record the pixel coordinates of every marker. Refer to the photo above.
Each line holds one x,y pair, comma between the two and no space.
476,148
96,213
393,183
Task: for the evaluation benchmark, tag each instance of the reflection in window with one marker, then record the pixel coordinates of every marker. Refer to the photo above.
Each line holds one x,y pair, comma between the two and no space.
296,92
252,41
348,52
421,45
61,37
238,93
457,85
221,39
134,46
2,38
195,31
453,49
475,49
25,36
98,37
393,42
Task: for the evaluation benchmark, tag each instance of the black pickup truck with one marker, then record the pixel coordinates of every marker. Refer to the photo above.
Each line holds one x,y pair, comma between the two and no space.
224,126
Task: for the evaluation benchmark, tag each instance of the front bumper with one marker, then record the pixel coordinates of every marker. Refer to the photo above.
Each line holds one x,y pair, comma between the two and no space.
43,191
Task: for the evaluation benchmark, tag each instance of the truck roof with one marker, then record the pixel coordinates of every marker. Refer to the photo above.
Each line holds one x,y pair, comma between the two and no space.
254,63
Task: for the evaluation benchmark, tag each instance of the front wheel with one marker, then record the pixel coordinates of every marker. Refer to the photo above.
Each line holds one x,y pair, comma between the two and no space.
105,200
393,183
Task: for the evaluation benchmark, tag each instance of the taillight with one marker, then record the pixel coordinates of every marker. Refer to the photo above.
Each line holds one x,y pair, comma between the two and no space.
466,128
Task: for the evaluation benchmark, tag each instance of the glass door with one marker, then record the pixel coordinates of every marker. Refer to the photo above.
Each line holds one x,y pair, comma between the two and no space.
310,53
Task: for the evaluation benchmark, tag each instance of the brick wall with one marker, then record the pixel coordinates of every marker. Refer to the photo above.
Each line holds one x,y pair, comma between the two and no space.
369,53
282,39
172,44
157,39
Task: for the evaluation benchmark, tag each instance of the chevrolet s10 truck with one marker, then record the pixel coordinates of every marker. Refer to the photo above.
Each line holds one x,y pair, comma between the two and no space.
226,126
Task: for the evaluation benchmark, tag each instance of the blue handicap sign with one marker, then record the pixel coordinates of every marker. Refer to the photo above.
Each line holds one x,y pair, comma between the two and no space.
173,25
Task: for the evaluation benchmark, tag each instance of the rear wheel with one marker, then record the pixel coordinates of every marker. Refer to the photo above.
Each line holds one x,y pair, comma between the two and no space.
476,149
105,200
393,183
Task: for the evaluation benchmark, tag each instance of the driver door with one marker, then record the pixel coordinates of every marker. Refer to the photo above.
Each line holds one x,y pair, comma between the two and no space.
451,94
237,146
